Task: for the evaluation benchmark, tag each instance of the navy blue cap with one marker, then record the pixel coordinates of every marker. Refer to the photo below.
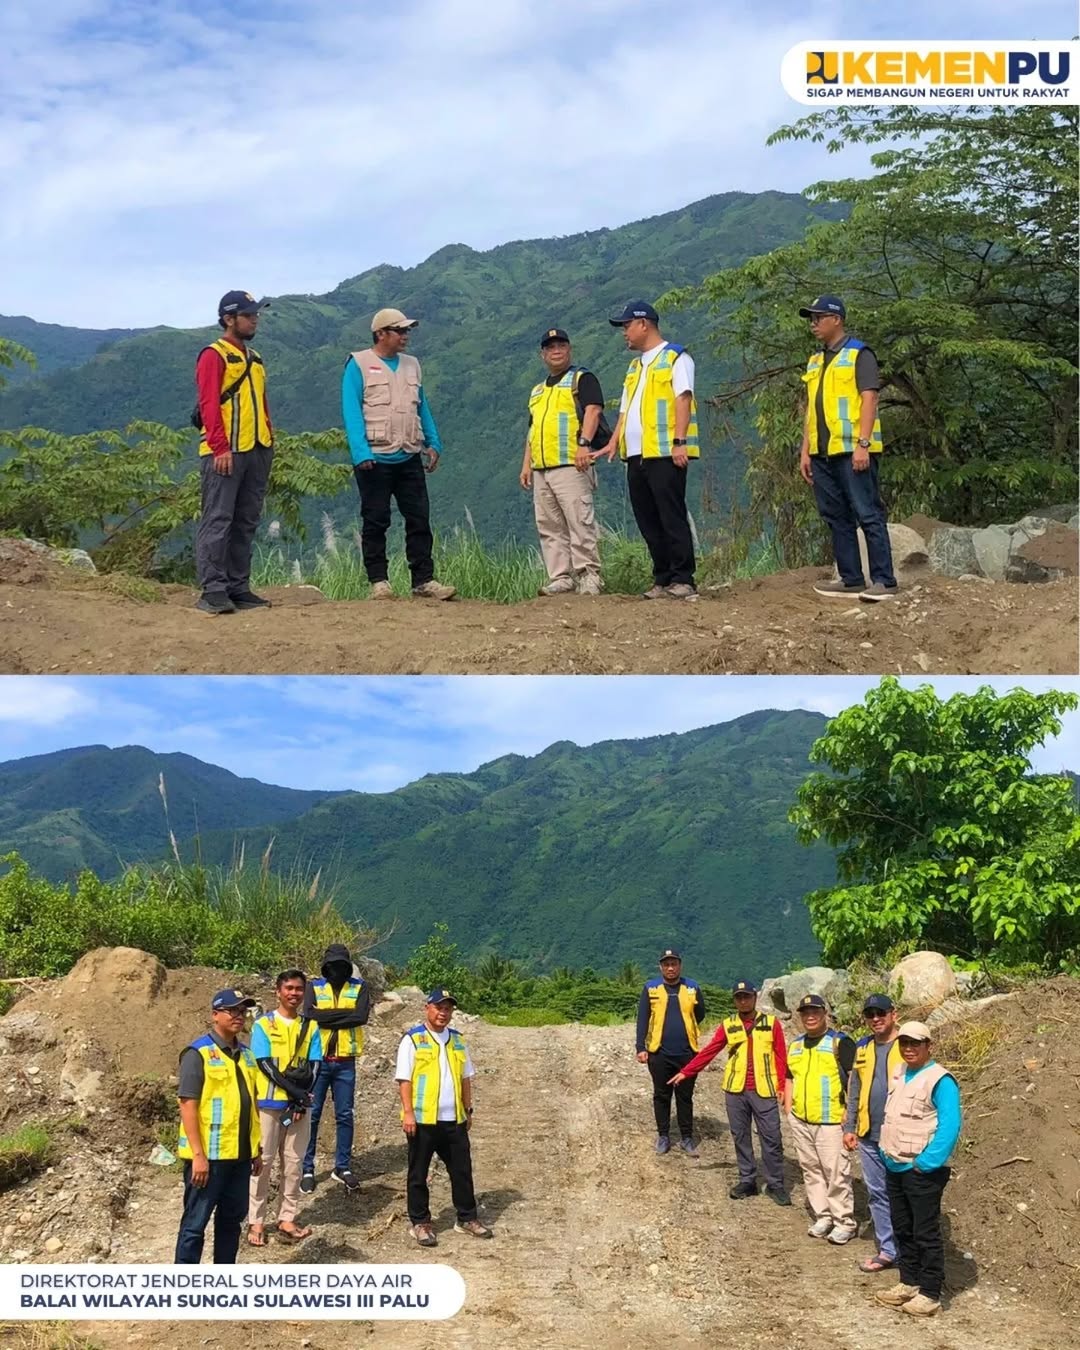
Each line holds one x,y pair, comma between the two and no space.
240,302
554,335
744,987
634,309
670,954
441,996
824,304
878,1003
811,1001
230,998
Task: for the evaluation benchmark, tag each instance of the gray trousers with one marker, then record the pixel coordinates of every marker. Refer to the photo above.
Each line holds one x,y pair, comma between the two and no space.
231,509
744,1109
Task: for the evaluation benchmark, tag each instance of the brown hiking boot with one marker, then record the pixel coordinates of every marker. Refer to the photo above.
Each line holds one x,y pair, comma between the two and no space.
382,590
434,590
474,1228
424,1234
897,1295
921,1306
656,592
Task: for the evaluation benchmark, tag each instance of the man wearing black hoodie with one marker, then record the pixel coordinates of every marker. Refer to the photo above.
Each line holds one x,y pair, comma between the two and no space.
340,1003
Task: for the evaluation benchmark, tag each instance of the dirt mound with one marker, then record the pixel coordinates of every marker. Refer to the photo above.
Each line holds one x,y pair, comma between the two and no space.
769,625
1055,550
23,564
1015,1194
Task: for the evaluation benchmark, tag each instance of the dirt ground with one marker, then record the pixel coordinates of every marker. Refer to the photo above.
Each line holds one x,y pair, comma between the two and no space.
54,621
598,1242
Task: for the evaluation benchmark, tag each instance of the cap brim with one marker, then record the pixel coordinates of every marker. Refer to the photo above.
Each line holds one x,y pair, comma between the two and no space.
232,1007
810,313
620,323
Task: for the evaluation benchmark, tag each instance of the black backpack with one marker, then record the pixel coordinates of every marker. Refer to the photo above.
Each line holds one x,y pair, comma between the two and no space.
603,430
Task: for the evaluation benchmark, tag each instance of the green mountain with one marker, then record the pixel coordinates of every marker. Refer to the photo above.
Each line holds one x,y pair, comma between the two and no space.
100,808
583,856
482,315
57,347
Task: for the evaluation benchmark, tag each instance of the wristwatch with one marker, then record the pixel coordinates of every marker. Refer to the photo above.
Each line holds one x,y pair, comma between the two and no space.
678,442
862,443
469,1110
585,445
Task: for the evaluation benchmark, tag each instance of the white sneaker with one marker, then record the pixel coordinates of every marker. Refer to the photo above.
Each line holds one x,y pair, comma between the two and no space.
588,584
821,1227
840,1235
560,586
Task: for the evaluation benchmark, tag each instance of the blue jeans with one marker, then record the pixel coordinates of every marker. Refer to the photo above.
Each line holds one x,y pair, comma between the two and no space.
846,499
873,1170
225,1195
338,1077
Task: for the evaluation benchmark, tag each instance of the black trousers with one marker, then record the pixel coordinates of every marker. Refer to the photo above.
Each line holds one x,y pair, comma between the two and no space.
405,484
662,1067
231,509
225,1196
451,1143
915,1208
657,489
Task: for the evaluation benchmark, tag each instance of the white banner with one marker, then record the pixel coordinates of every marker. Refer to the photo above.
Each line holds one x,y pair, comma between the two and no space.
824,73
297,1293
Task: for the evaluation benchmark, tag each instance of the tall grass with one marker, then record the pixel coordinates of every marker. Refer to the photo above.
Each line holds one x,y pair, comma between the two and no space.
506,573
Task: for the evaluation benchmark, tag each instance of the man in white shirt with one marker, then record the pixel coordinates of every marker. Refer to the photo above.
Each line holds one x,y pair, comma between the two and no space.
657,436
434,1075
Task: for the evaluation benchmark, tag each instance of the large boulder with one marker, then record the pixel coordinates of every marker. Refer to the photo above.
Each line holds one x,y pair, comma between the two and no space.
952,551
1046,556
922,980
784,992
373,973
992,551
908,553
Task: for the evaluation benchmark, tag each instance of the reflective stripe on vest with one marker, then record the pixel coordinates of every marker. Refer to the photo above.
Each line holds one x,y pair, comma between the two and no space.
391,404
761,1038
658,1001
910,1114
553,431
219,1104
841,401
865,1062
244,413
285,1049
817,1090
427,1073
658,406
350,1040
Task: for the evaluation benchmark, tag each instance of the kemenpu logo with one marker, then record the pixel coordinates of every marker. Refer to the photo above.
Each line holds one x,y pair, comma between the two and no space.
824,73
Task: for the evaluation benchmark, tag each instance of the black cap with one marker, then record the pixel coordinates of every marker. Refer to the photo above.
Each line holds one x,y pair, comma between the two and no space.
744,987
670,954
824,304
230,998
634,309
878,1003
811,1001
441,996
240,302
554,335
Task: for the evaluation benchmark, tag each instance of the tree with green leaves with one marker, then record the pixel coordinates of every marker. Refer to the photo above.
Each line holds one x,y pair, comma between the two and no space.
957,260
945,836
10,353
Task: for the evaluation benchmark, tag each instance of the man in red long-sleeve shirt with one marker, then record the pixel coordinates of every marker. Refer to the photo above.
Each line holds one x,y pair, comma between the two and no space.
235,457
753,1079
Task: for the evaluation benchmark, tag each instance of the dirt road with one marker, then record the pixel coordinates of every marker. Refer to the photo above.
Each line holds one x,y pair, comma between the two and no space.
769,625
598,1242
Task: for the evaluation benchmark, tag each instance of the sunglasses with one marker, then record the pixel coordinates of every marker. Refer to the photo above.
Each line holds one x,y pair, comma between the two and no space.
402,331
874,1014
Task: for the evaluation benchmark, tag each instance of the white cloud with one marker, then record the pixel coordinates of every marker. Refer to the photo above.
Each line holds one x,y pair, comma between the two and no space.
50,702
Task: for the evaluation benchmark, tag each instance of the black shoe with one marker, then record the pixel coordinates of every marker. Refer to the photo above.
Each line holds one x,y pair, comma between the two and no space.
777,1195
743,1190
307,1183
215,602
347,1178
249,600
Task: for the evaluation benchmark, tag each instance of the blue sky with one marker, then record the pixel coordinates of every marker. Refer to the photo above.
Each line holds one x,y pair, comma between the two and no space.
157,155
375,734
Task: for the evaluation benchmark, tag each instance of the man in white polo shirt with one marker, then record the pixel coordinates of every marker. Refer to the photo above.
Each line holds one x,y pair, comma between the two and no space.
657,436
434,1075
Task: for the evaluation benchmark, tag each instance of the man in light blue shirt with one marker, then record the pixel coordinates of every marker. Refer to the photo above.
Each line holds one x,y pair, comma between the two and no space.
393,444
918,1134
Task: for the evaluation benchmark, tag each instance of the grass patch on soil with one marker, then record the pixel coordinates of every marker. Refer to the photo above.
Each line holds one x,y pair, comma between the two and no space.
22,1153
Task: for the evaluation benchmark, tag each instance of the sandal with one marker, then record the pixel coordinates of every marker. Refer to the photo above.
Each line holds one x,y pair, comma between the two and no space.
873,1264
257,1236
296,1235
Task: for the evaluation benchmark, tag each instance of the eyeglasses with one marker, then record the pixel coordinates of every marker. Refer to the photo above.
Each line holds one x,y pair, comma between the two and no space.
908,1042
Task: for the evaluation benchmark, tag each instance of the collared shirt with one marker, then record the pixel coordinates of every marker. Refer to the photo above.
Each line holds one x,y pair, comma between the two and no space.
406,1059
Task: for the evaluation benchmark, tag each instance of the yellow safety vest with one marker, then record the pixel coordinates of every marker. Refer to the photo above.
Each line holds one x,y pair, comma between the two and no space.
244,412
286,1049
761,1038
351,1040
818,1088
427,1073
841,401
658,406
554,428
865,1059
219,1105
658,999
